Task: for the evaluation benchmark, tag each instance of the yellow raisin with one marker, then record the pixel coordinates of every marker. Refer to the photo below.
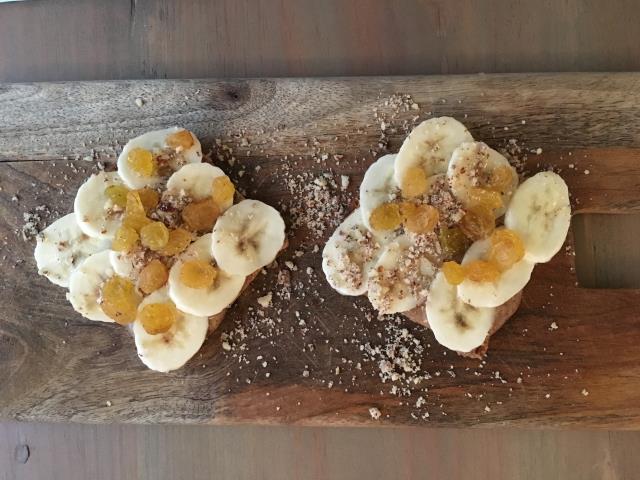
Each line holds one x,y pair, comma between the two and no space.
125,240
478,223
201,216
154,236
179,240
119,299
158,318
153,276
414,182
501,179
453,242
484,198
142,162
386,217
223,191
419,218
506,249
198,274
134,214
149,198
182,140
117,194
453,272
481,271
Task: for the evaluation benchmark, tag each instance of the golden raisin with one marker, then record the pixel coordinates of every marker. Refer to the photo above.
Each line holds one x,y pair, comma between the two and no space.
453,242
135,222
154,236
117,194
506,249
198,274
179,240
501,179
134,214
125,239
149,198
414,182
453,272
223,191
142,162
153,276
484,198
481,271
182,139
386,217
478,223
201,216
120,300
419,218
158,318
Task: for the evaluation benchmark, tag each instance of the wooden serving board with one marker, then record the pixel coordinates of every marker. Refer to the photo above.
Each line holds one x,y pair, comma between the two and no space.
570,356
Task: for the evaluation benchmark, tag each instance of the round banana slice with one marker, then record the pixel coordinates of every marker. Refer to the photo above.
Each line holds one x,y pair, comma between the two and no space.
196,180
455,324
429,146
85,283
169,159
378,187
169,351
127,265
61,247
247,237
472,165
349,254
203,301
401,277
493,294
540,213
96,215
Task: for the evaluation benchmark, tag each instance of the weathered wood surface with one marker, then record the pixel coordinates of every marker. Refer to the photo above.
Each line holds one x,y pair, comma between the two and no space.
56,366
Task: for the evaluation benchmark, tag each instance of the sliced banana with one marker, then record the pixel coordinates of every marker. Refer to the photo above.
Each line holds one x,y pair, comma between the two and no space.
203,301
378,187
541,214
471,166
456,324
493,294
61,247
401,277
349,254
196,180
247,237
85,283
96,215
169,351
429,146
156,142
127,264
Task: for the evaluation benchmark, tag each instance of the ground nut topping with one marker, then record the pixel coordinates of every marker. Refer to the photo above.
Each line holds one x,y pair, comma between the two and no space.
440,197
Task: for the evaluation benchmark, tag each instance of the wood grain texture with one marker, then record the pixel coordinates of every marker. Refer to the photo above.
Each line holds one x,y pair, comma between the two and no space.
123,39
115,452
55,366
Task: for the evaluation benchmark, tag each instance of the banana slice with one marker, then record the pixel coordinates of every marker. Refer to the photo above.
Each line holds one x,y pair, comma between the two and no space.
196,180
169,351
85,283
455,324
61,247
96,215
378,187
429,146
203,301
127,264
471,165
541,214
349,254
247,237
493,294
169,159
401,277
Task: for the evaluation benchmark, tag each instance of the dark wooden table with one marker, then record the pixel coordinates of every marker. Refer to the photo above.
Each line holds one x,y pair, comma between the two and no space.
95,39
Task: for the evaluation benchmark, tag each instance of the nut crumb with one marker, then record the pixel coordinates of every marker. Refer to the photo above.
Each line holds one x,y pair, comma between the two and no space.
375,413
